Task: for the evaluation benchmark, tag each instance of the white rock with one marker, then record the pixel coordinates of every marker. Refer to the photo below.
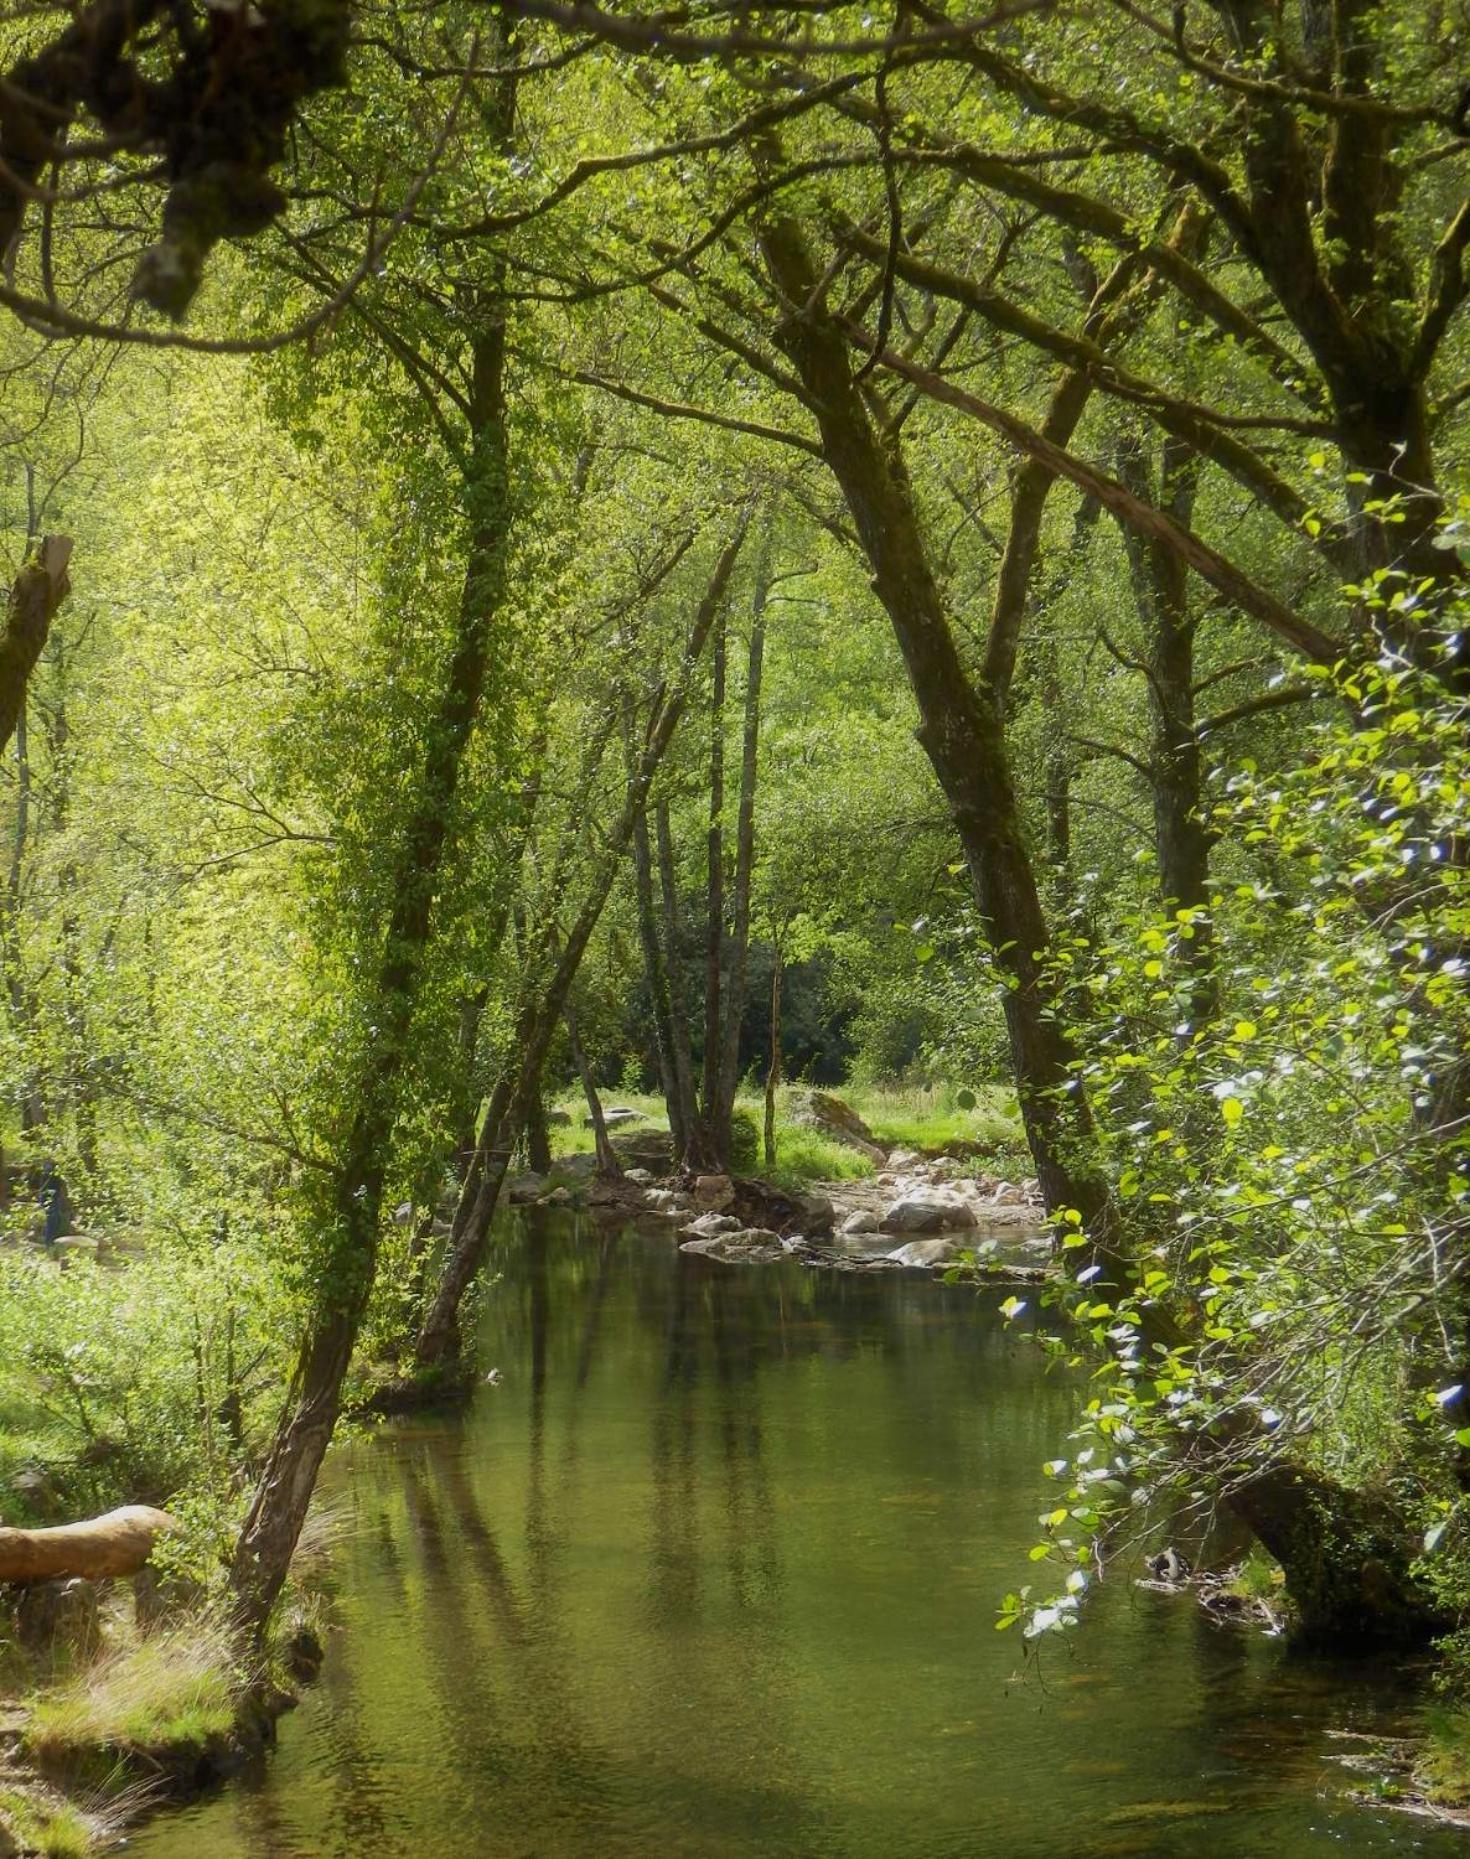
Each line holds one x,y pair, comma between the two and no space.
929,1210
861,1222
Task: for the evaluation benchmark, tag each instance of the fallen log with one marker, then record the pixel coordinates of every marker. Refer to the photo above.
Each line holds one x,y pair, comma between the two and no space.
116,1544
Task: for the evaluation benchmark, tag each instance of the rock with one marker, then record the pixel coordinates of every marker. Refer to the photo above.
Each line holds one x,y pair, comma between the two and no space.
861,1222
817,1214
928,1210
579,1167
639,1176
750,1245
900,1160
403,1213
34,1487
558,1197
820,1110
558,1119
616,1119
926,1252
525,1189
714,1191
77,1242
666,1201
708,1225
52,1613
653,1149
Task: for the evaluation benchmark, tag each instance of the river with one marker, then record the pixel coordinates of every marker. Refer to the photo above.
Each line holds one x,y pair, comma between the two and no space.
712,1572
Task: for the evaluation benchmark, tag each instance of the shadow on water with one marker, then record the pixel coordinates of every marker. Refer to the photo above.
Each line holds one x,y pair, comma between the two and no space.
712,1573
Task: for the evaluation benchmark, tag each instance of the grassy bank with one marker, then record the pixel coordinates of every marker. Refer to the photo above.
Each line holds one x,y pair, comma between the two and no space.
900,1116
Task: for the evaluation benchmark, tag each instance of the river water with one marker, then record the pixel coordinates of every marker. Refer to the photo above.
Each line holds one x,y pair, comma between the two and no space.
712,1572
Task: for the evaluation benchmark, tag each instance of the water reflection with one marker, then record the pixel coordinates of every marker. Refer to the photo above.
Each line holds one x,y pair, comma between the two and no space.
712,1573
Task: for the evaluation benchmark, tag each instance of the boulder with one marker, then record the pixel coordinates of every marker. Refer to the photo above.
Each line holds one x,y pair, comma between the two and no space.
901,1159
861,1222
640,1177
403,1214
617,1119
651,1149
558,1197
558,1119
714,1191
525,1189
58,1614
817,1214
579,1167
928,1210
820,1110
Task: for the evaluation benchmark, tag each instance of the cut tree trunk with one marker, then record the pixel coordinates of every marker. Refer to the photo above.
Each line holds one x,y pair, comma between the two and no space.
118,1543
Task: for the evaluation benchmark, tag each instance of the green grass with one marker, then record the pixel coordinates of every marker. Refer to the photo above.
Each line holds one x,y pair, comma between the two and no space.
1443,1767
910,1116
55,1829
172,1692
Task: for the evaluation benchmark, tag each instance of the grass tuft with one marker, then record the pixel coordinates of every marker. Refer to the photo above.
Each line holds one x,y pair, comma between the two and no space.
172,1693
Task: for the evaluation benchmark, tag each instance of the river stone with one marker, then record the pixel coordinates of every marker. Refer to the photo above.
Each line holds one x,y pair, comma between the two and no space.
928,1210
708,1225
927,1252
818,1215
666,1201
714,1191
901,1159
861,1222
525,1189
639,1176
750,1245
558,1197
653,1149
615,1119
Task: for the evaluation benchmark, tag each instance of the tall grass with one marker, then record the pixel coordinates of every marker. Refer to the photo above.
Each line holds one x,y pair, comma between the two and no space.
174,1690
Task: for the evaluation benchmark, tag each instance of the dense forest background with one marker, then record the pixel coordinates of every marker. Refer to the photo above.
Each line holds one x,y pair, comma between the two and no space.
591,530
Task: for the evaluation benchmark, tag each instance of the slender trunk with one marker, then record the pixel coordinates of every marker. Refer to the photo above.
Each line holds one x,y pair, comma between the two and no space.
1176,763
538,1017
710,1146
744,850
537,1131
345,1280
681,1048
607,1156
773,1068
657,978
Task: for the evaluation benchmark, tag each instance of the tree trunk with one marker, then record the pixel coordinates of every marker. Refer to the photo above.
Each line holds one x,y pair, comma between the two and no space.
36,593
744,849
348,1263
963,736
607,1156
538,1018
682,1050
773,1068
709,1149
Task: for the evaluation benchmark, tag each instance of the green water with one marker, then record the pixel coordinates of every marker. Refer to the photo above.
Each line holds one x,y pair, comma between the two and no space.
712,1573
